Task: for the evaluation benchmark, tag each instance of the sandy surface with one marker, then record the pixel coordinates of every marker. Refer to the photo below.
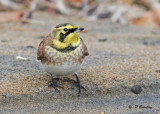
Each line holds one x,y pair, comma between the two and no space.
129,56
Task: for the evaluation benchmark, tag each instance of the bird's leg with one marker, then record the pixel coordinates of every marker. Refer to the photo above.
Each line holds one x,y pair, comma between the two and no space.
53,84
79,84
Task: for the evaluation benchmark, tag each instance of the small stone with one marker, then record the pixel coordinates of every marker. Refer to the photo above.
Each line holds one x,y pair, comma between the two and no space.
105,15
102,39
3,40
136,89
40,37
145,43
130,106
29,46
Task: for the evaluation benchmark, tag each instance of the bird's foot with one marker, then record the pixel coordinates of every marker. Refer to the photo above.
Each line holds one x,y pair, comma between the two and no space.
54,85
79,85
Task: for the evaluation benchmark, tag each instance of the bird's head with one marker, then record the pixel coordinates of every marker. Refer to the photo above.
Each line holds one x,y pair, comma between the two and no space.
66,35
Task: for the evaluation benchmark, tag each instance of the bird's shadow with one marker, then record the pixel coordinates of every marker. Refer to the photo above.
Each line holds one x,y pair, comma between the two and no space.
64,79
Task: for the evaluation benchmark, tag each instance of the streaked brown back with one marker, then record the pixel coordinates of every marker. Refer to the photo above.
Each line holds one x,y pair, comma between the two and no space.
85,50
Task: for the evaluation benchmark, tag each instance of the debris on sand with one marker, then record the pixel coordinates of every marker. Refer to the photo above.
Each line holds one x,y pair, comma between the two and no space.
22,58
102,39
10,16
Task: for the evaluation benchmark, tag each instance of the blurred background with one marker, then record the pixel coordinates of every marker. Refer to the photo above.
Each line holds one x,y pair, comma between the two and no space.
134,12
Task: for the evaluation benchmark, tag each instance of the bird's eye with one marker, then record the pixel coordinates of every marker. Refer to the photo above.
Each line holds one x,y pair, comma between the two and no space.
65,29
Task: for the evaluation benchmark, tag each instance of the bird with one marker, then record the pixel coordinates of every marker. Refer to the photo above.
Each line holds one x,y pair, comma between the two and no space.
62,53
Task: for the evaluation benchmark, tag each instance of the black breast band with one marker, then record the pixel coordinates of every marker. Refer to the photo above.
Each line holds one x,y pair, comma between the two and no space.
67,49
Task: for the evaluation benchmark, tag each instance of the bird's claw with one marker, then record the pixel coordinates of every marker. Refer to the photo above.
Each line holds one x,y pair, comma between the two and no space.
79,85
54,85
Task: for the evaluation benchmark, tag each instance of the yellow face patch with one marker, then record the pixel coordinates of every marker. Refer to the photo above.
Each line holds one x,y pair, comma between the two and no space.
71,39
65,38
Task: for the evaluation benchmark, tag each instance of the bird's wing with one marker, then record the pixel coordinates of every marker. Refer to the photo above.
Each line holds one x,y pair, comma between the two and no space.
40,50
85,50
46,41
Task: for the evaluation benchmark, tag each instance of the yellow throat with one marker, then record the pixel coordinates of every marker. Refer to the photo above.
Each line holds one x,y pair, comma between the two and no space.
71,39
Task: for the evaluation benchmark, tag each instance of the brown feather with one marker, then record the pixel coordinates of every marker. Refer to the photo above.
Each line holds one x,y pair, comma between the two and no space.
85,50
40,50
44,42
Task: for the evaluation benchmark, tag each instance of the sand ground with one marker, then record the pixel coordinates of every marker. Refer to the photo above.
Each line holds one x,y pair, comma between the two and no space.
129,56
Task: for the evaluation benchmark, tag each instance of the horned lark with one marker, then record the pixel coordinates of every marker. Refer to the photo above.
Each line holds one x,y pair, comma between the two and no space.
62,52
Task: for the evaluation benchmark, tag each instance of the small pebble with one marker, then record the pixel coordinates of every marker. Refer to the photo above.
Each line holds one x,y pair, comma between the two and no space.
3,41
104,15
145,43
136,89
102,39
29,46
40,37
130,106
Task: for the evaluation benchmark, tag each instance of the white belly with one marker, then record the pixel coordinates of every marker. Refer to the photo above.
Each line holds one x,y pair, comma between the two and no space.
62,70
